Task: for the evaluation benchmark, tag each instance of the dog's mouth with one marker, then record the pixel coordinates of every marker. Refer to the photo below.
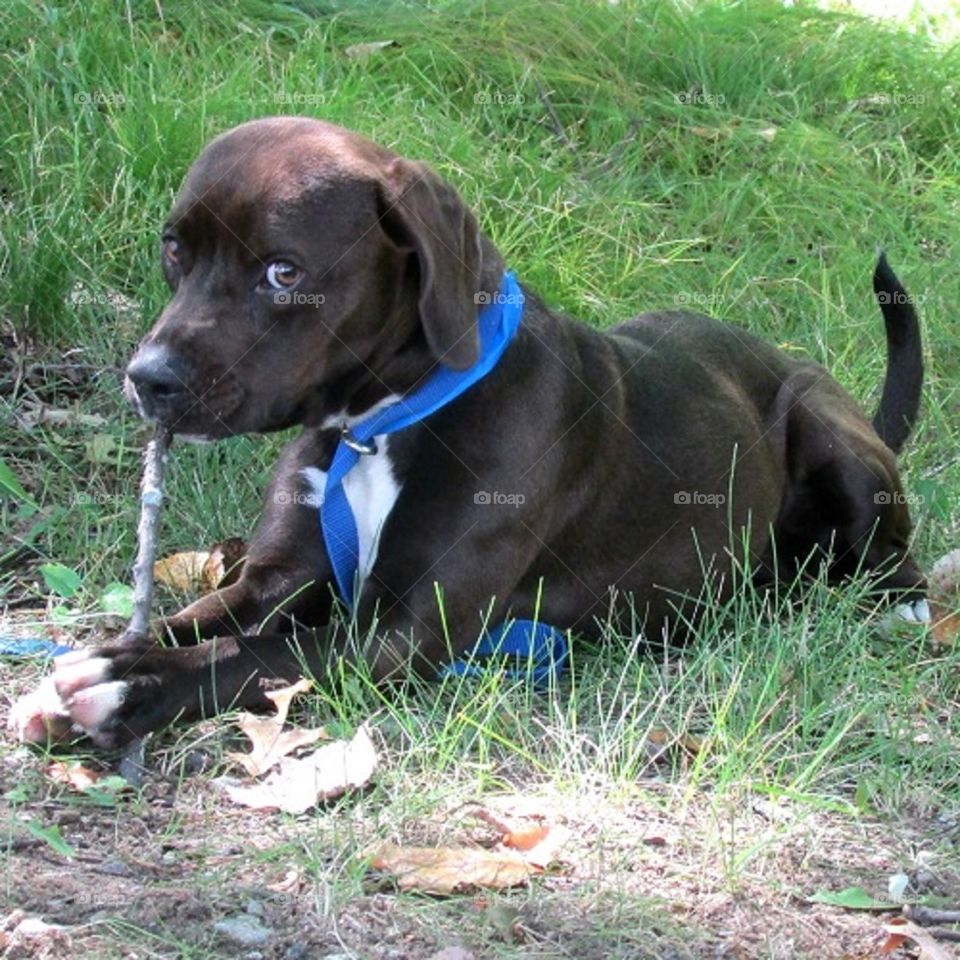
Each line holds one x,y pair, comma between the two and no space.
193,415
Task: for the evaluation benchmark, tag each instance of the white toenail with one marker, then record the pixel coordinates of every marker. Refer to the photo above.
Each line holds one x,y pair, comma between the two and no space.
84,673
905,612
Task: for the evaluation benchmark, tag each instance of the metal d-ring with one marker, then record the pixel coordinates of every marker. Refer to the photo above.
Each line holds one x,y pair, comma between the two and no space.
361,446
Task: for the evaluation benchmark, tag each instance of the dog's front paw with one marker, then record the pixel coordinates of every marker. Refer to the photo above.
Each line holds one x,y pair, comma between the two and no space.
113,694
40,716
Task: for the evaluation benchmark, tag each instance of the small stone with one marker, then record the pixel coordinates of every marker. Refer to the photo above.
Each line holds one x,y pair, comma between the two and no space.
296,951
115,868
254,907
244,931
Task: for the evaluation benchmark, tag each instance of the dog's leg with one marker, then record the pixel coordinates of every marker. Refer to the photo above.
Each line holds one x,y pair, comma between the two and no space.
118,693
286,575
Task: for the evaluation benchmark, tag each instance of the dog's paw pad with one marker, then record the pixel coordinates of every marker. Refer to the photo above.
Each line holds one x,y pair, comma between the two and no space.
40,715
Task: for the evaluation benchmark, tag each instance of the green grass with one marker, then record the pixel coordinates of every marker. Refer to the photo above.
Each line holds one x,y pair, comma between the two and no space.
743,159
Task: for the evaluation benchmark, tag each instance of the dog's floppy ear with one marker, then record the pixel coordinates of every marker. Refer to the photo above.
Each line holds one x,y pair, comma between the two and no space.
426,215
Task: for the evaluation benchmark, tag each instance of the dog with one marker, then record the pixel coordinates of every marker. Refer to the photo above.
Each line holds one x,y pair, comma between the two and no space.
319,280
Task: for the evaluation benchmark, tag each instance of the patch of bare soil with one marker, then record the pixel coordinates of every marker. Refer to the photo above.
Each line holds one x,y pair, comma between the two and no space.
176,872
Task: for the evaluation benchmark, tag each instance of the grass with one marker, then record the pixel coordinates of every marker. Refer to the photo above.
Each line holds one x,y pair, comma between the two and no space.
744,160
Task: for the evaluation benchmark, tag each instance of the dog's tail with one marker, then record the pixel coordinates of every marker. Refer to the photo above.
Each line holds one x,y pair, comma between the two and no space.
900,400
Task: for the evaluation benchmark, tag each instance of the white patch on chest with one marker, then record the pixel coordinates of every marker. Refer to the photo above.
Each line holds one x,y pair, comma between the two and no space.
372,491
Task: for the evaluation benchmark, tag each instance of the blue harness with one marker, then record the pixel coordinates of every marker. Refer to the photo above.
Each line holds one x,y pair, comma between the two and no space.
543,648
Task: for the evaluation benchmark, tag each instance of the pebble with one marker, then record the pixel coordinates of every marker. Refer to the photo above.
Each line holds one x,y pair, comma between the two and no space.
244,931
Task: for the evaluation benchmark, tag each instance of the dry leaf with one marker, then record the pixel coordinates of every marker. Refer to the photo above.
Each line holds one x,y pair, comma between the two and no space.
300,784
225,563
662,740
35,414
445,870
182,571
710,133
284,696
291,883
538,842
73,775
360,51
929,948
526,838
945,626
270,744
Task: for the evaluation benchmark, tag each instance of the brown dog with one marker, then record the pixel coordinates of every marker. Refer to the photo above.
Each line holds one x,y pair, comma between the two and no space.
317,278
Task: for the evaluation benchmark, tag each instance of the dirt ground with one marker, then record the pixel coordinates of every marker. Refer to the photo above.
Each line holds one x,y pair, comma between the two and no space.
643,875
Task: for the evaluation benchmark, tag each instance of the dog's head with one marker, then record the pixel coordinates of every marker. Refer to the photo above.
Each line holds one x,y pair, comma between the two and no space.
313,273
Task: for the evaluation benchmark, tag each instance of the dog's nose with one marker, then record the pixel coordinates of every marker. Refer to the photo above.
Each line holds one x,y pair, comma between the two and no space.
158,377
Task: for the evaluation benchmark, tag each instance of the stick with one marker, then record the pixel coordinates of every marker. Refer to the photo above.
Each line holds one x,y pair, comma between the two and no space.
925,916
132,763
151,499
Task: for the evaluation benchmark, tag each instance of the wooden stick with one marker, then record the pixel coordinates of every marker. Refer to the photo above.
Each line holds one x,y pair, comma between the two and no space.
132,763
925,916
151,499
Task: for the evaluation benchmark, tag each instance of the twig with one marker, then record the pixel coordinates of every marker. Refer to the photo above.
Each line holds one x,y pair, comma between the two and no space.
132,764
925,916
151,499
941,933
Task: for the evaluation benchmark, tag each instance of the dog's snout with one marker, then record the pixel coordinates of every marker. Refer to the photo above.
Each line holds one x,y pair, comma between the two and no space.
158,377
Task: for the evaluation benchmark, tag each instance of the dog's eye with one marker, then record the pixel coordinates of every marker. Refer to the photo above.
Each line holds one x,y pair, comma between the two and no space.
282,275
171,250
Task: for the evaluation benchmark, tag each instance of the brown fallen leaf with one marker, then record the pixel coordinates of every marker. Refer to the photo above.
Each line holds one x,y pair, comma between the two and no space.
284,696
195,571
270,744
526,838
74,775
944,626
538,842
182,571
929,948
299,784
291,882
225,563
660,740
446,870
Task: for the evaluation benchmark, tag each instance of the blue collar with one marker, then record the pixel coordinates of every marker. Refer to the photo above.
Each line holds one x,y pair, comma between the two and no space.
497,324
